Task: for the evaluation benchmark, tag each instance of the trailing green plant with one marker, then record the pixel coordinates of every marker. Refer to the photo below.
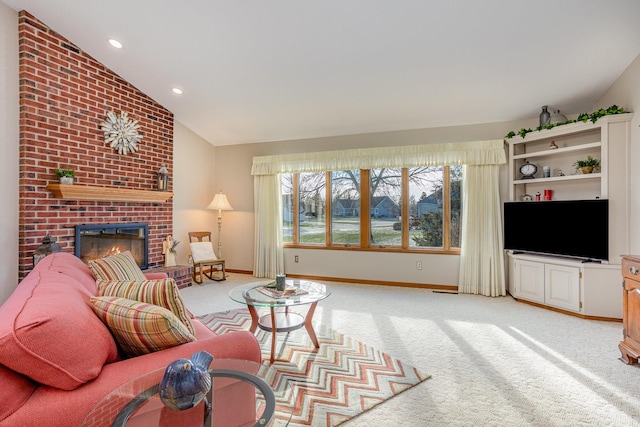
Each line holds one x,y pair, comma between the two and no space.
69,173
595,163
582,117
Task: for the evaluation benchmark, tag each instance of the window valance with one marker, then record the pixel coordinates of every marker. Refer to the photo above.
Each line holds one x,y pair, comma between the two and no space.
454,153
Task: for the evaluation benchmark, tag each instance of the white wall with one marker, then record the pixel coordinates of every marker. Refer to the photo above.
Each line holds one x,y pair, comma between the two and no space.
625,92
9,148
193,188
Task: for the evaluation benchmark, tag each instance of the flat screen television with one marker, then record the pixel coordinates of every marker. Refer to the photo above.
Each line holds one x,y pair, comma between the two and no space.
569,228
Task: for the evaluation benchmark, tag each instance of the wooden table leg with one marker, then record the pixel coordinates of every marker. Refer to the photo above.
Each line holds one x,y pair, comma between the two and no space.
274,330
254,319
309,326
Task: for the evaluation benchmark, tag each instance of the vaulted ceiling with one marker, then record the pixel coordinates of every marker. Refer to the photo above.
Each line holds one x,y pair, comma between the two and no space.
256,70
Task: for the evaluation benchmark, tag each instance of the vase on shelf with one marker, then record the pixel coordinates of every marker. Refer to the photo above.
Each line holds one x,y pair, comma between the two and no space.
557,117
544,116
586,169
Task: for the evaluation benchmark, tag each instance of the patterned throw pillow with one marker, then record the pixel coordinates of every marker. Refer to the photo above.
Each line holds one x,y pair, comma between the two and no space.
140,328
202,251
120,266
162,292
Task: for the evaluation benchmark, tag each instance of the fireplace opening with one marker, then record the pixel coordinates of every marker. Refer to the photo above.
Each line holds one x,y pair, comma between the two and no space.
95,241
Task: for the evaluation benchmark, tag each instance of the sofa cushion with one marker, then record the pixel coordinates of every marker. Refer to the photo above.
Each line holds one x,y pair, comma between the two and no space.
70,265
202,251
120,266
140,328
162,292
49,333
15,391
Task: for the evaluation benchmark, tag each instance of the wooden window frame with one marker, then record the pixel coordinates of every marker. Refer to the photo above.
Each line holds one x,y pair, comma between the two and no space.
365,220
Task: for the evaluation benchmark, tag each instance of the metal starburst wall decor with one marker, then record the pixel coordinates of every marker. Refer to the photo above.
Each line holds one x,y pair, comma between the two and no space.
121,133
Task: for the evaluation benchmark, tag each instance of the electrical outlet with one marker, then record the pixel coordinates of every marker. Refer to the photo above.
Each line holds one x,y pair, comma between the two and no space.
418,265
296,258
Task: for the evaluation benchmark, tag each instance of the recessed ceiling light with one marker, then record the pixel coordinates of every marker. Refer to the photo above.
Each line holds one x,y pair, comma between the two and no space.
177,91
115,43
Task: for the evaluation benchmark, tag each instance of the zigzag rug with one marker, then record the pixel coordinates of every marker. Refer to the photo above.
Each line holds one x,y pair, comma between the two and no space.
325,386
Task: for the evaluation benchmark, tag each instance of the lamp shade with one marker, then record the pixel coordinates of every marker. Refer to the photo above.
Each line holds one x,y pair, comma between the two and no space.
220,203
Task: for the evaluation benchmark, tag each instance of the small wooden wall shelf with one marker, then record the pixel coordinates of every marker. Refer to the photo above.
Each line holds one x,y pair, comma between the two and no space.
112,194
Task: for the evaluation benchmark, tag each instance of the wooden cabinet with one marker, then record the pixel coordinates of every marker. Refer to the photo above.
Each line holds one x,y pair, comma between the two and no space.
588,290
529,280
542,281
608,139
562,286
630,345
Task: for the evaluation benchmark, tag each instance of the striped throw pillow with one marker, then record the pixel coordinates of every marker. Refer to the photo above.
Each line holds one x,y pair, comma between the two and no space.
140,328
120,266
162,292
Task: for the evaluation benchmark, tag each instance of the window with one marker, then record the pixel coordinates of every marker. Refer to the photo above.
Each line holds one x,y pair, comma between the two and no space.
345,207
312,195
287,208
426,225
402,209
385,206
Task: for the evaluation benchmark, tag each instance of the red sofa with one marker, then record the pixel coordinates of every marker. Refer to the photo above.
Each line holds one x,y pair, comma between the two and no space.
57,359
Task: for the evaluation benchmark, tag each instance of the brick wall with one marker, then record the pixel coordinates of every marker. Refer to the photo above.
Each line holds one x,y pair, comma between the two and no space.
64,96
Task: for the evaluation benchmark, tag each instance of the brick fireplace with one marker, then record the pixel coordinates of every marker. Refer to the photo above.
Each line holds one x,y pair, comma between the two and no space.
64,96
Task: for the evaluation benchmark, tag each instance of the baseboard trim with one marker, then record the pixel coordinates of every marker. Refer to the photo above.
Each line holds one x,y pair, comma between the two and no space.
363,281
570,313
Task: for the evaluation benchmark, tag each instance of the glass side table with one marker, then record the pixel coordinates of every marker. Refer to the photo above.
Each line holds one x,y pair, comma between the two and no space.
241,395
303,292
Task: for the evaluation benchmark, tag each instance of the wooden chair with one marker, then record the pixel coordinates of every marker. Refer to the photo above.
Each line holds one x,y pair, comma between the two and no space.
204,257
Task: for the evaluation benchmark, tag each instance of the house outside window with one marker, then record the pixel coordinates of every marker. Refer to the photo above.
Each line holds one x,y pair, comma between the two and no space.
401,209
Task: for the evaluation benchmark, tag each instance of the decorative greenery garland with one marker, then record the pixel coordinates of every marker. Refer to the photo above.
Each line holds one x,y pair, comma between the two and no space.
582,117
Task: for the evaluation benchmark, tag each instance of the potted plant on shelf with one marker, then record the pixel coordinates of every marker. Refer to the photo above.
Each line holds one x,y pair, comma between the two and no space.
65,175
587,166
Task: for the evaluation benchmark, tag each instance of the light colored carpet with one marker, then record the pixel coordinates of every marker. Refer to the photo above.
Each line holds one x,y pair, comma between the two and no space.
493,361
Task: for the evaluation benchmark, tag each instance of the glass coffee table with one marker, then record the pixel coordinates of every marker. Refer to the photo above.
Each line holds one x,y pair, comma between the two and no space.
297,292
242,394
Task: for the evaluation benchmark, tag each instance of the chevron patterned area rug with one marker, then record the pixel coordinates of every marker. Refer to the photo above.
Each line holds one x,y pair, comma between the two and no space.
325,386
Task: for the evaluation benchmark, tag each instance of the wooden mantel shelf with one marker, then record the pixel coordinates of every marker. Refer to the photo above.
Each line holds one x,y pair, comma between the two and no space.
86,192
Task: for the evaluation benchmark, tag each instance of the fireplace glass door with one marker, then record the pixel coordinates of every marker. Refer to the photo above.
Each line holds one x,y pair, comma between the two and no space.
95,241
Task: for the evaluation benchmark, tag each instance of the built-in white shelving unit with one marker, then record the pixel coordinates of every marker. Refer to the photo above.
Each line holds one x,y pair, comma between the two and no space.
570,285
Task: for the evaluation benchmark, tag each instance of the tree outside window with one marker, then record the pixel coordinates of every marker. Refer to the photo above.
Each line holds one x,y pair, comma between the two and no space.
430,201
345,207
312,195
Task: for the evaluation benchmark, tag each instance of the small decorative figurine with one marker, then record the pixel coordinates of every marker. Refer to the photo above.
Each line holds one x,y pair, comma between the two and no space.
186,382
169,251
553,145
560,173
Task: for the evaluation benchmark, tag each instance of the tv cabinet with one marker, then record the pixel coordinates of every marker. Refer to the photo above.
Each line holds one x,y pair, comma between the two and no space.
572,286
608,139
569,285
630,344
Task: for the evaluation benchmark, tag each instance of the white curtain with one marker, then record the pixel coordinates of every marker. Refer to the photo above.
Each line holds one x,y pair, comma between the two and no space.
452,153
481,262
268,254
481,255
